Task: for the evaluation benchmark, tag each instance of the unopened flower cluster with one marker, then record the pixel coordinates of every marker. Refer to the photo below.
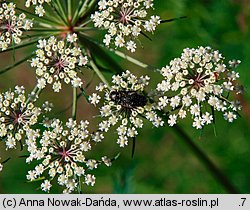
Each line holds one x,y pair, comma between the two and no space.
58,61
11,25
199,83
125,20
39,9
125,105
16,116
61,150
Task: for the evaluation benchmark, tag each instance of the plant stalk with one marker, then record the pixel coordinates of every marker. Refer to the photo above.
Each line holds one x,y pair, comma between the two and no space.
74,107
99,73
69,4
215,171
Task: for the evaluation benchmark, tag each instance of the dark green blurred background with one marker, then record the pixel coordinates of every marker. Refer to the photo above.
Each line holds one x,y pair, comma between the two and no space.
163,163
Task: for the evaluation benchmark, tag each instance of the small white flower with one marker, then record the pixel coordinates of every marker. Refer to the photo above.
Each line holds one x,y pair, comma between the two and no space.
31,175
131,46
91,164
46,186
172,120
122,141
94,99
76,82
230,116
72,38
83,60
39,10
198,123
106,161
47,106
90,180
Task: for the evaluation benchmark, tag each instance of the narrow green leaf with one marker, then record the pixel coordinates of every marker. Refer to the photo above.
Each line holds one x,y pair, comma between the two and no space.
5,161
36,18
47,29
83,93
173,19
8,68
76,12
36,180
25,44
69,5
100,54
61,12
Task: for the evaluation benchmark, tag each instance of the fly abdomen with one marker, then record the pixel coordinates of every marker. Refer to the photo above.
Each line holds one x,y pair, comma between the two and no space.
128,99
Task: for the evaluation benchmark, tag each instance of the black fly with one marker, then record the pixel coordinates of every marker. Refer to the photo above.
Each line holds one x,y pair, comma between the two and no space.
128,99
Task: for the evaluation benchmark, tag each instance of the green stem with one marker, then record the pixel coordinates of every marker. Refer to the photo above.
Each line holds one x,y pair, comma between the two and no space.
86,23
5,161
34,93
132,60
74,107
76,13
60,11
215,171
48,29
15,64
39,20
99,73
81,29
127,57
69,9
84,8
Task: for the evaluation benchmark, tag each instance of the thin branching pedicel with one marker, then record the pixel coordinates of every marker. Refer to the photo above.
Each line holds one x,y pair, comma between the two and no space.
125,20
125,104
199,83
16,116
58,61
11,25
61,150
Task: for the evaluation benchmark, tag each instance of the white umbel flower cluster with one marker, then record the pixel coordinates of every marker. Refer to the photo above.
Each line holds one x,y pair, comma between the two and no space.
198,84
11,25
61,152
125,20
16,116
124,106
39,9
58,61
